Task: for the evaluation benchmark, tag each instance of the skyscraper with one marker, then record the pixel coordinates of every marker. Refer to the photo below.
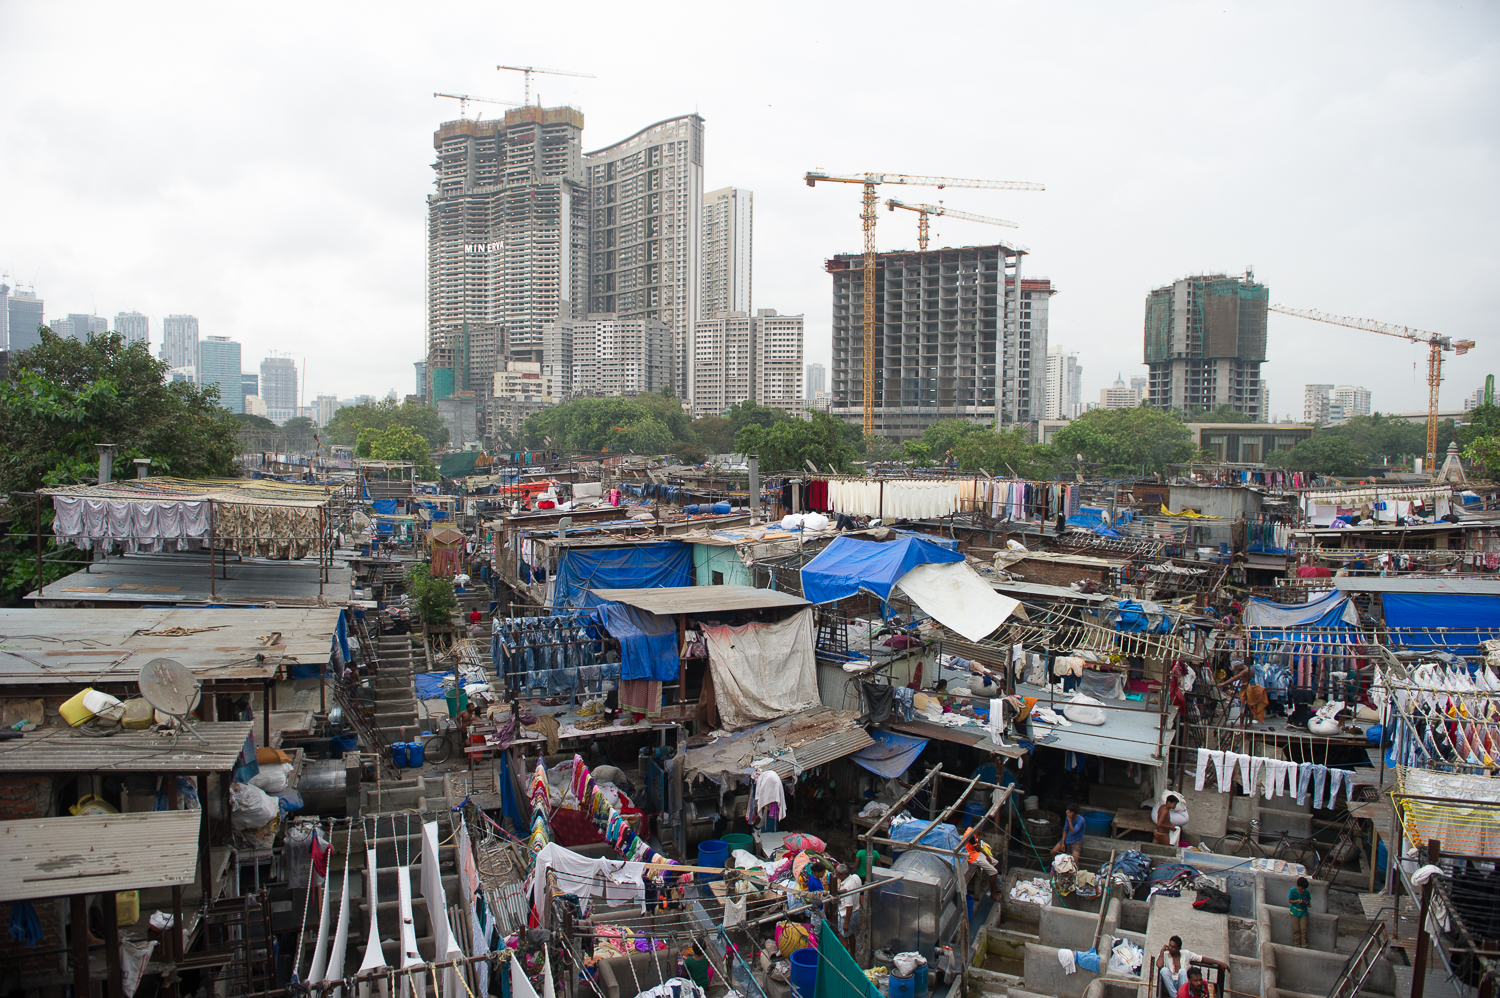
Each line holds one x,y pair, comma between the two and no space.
1205,339
950,324
1064,399
179,341
817,380
646,232
1316,400
739,358
507,239
219,365
607,355
728,216
80,326
24,317
135,328
1350,400
250,383
278,387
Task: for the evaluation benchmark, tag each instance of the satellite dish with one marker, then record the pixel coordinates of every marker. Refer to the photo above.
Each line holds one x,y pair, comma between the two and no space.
169,687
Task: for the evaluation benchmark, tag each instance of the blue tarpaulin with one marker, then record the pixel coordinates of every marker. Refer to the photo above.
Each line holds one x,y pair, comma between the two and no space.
648,643
943,836
385,507
848,565
1131,617
429,685
891,755
1457,623
643,566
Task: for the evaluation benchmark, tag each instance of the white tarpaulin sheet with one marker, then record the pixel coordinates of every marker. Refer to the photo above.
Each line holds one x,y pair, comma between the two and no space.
763,671
956,597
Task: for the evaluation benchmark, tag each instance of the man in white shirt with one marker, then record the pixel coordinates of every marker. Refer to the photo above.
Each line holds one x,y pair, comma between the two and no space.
849,882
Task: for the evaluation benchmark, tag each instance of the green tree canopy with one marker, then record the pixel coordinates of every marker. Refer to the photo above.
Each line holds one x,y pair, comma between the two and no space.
253,421
942,437
1127,441
1324,453
346,423
594,424
786,444
1480,437
302,433
714,434
1005,454
1223,414
751,413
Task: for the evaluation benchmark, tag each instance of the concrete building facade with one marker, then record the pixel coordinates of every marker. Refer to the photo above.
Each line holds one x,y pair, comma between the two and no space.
524,381
1064,398
134,328
816,380
728,229
646,232
959,334
1205,339
219,365
24,317
1349,400
1316,401
508,225
1118,396
278,387
179,341
608,355
740,357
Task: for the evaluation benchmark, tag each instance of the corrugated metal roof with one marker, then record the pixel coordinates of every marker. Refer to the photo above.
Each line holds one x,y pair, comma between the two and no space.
181,579
52,857
700,599
1431,585
823,750
103,646
68,750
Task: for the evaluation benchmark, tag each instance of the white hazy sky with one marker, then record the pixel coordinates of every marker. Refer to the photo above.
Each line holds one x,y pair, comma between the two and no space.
264,167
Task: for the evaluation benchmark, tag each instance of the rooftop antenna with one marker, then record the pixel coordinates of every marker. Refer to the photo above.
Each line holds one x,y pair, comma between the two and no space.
168,686
528,70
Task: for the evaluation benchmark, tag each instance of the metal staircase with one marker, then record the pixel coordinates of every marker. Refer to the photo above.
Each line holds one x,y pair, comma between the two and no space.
1362,961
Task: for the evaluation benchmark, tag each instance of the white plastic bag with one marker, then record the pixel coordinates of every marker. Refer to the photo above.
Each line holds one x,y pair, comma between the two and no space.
792,521
253,807
272,777
815,522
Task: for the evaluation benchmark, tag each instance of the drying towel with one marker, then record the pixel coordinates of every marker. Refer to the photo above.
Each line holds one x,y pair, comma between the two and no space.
546,725
1065,957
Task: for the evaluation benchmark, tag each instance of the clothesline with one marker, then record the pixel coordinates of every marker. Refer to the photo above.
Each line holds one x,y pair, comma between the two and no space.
1272,777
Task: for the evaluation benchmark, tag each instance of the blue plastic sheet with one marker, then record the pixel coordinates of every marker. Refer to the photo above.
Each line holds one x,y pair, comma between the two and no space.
644,566
385,507
648,643
891,755
943,836
430,684
1455,622
848,565
1131,617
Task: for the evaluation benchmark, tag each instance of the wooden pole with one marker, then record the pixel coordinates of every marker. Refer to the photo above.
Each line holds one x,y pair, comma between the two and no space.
172,938
82,987
115,987
1419,963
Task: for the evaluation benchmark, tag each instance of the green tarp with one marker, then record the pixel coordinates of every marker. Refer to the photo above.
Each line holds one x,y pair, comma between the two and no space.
459,464
838,975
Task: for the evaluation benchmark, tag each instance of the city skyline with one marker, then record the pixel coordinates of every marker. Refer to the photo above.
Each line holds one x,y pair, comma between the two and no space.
305,221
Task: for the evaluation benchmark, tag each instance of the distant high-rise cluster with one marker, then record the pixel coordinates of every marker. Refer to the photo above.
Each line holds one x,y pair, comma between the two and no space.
134,327
1205,339
219,365
608,355
1064,385
740,358
1333,403
179,341
816,381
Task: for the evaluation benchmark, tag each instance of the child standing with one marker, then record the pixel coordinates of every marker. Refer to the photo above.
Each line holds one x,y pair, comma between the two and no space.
1298,898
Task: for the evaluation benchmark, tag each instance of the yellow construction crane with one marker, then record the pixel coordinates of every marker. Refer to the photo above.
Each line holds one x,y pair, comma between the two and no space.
923,210
528,70
868,218
1436,344
463,102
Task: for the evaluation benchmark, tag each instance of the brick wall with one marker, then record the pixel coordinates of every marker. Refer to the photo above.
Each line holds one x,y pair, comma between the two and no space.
29,795
25,795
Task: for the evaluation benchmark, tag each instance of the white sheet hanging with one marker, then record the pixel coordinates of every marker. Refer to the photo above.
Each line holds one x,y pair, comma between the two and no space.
955,595
763,671
443,946
410,957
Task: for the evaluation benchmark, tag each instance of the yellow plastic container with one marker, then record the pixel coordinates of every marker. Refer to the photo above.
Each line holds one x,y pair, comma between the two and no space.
128,907
73,711
89,806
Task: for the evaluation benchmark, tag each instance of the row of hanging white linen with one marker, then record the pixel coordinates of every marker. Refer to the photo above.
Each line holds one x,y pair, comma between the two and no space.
1272,777
895,499
158,525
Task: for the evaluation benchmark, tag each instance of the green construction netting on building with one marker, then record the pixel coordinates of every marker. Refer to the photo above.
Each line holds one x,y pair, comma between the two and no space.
709,559
442,382
838,975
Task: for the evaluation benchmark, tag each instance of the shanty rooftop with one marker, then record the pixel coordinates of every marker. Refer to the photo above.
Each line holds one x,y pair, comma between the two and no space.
49,857
61,749
182,578
699,599
245,491
103,647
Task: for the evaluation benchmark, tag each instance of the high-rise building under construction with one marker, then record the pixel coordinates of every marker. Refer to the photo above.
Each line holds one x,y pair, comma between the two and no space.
1205,341
958,334
507,239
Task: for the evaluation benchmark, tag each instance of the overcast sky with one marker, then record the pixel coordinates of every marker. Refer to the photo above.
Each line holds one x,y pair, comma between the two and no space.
264,167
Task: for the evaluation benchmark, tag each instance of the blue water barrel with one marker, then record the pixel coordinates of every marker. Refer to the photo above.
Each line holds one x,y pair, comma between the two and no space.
919,977
341,744
1097,822
690,509
804,976
973,811
415,754
398,755
713,853
901,987
721,507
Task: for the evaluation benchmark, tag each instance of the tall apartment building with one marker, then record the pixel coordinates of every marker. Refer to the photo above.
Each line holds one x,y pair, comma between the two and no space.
219,364
278,387
1205,339
1349,400
607,355
1118,396
80,326
1471,401
1064,399
1316,400
728,225
959,334
134,327
645,239
1140,385
740,357
816,380
466,358
507,242
179,341
323,407
24,317
4,316
421,375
